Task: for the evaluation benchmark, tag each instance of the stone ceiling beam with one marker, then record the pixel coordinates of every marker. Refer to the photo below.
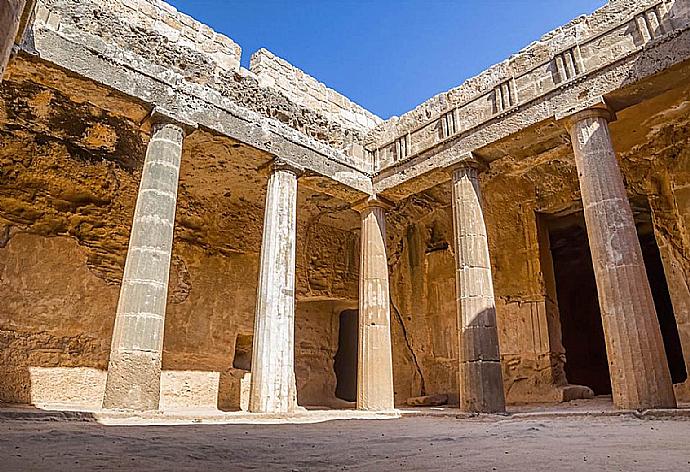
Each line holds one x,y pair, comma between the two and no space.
91,57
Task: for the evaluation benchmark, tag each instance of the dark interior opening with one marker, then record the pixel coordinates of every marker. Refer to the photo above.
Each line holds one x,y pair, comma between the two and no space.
662,301
578,305
346,357
243,352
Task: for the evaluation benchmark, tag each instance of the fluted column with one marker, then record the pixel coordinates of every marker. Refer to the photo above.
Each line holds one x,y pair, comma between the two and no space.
273,388
637,362
135,357
480,380
375,358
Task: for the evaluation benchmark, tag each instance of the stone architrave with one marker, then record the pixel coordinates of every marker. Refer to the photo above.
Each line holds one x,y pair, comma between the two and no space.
375,358
273,388
640,376
480,380
134,369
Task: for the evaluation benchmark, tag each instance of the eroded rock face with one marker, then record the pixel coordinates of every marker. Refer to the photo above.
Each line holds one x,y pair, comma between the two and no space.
68,188
71,155
531,184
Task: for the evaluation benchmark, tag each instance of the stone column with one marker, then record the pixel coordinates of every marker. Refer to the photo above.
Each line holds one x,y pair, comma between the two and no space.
273,388
135,356
375,358
480,380
14,15
639,372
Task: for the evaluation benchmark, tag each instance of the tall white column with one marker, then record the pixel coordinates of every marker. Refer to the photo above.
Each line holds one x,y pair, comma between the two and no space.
640,376
273,388
480,380
375,372
134,368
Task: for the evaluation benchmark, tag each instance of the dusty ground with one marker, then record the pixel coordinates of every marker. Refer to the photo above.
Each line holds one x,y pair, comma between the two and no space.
613,443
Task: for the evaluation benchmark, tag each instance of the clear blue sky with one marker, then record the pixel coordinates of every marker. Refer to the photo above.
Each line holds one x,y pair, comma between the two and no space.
386,55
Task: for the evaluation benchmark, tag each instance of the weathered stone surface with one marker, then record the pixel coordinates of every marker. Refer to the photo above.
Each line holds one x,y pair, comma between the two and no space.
480,381
14,16
273,386
306,91
137,346
75,109
427,400
375,365
639,372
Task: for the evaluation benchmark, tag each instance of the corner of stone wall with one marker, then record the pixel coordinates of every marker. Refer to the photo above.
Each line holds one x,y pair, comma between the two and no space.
305,90
157,16
185,30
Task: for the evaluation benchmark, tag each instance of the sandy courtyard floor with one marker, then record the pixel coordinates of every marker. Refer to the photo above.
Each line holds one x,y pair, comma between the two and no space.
423,443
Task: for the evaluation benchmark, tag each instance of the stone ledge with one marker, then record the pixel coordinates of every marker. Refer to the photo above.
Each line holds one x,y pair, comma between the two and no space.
591,43
275,72
596,408
182,417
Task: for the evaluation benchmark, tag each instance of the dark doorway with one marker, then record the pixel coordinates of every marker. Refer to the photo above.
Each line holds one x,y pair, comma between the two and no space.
578,305
662,301
346,357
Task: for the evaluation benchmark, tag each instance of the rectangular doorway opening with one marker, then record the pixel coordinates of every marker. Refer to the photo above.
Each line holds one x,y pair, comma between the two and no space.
662,298
346,359
578,304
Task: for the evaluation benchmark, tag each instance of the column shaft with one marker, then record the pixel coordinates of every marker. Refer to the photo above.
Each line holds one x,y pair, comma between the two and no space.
637,362
480,379
137,345
11,12
375,359
273,388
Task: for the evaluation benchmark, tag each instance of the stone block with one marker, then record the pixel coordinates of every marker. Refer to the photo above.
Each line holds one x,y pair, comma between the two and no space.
428,400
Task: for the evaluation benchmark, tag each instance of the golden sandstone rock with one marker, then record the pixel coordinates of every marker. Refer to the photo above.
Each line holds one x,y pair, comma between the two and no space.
170,221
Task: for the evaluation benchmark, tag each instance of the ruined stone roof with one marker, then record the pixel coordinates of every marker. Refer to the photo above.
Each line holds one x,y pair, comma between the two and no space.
167,60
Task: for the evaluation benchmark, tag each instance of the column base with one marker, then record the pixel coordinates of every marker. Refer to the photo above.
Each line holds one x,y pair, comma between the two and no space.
481,387
275,403
134,380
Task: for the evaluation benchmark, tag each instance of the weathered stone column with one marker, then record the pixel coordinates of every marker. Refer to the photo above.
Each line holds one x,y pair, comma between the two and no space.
375,358
14,15
480,380
639,372
135,357
273,388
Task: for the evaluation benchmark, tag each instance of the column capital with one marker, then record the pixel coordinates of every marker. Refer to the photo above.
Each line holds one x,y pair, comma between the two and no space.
372,201
281,164
598,111
161,117
469,161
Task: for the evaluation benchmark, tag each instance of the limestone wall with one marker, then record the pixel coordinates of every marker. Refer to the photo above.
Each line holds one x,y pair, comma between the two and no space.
57,317
189,44
308,92
68,184
557,61
147,53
